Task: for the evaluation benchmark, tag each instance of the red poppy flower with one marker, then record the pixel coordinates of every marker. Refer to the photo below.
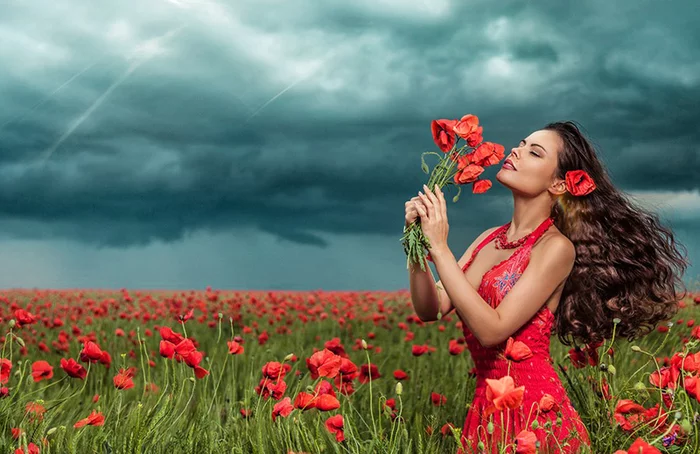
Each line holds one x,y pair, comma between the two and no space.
304,401
579,183
438,399
468,129
418,350
94,419
367,373
639,447
517,350
327,402
479,187
334,424
525,442
282,408
503,394
235,348
41,370
123,379
5,369
324,363
443,133
73,369
400,375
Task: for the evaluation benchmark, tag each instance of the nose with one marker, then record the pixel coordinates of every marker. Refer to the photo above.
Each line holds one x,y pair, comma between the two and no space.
514,152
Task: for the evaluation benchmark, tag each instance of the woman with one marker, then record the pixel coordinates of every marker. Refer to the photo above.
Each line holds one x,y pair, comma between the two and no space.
576,257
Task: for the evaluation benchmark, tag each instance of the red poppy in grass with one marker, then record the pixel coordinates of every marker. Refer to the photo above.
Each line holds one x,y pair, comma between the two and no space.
171,336
235,348
336,347
446,429
327,402
5,369
334,424
324,363
94,419
275,370
323,387
639,447
348,370
663,378
282,408
91,352
418,350
304,401
400,375
31,449
23,318
185,317
167,349
124,378
4,392
16,432
367,373
41,370
438,399
455,347
73,368
268,388
35,410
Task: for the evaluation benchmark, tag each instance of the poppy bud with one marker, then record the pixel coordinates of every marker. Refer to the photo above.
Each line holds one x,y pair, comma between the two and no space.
364,344
399,388
611,369
535,424
489,427
12,323
635,348
481,446
686,426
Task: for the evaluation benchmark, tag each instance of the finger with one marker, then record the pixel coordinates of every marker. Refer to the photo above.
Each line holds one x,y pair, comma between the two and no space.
421,212
430,194
428,204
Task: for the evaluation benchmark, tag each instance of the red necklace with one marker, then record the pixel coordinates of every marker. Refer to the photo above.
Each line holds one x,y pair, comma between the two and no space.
503,243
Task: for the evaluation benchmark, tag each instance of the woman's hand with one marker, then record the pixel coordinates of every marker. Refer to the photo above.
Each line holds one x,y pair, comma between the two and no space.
433,217
411,210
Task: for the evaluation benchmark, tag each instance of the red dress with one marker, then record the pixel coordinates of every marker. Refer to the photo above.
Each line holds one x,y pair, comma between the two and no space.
536,373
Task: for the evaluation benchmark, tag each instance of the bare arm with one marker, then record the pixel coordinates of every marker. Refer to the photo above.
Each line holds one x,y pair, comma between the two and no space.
551,261
430,298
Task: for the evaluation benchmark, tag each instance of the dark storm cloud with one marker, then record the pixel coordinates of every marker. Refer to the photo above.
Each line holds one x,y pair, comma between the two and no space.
304,119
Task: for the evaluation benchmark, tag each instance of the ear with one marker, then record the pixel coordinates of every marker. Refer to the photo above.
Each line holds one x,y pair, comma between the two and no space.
558,187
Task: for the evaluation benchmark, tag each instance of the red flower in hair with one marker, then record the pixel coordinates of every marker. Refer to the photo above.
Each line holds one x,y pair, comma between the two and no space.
578,182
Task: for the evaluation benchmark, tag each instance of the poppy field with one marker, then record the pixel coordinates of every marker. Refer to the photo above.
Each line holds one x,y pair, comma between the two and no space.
212,371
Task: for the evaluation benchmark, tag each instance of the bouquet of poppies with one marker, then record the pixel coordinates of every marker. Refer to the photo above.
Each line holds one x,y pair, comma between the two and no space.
458,165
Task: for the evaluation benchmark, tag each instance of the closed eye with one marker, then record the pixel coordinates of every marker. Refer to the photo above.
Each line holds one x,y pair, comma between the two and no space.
532,152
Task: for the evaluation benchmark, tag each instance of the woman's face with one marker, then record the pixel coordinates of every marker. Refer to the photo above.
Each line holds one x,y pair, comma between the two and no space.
535,162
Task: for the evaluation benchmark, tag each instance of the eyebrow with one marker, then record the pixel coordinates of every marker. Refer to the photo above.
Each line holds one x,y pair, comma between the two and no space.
534,145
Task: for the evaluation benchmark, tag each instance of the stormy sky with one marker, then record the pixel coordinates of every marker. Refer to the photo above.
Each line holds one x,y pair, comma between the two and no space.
259,144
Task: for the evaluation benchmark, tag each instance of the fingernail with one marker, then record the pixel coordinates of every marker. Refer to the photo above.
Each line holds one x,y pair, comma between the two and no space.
420,193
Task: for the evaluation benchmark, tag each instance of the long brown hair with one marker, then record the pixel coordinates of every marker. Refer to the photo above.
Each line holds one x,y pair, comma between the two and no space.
627,263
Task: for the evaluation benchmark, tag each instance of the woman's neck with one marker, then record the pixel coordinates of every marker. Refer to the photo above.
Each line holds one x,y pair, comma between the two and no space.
528,214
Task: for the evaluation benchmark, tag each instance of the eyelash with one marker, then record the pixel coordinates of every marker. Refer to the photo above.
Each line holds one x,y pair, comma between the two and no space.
534,153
